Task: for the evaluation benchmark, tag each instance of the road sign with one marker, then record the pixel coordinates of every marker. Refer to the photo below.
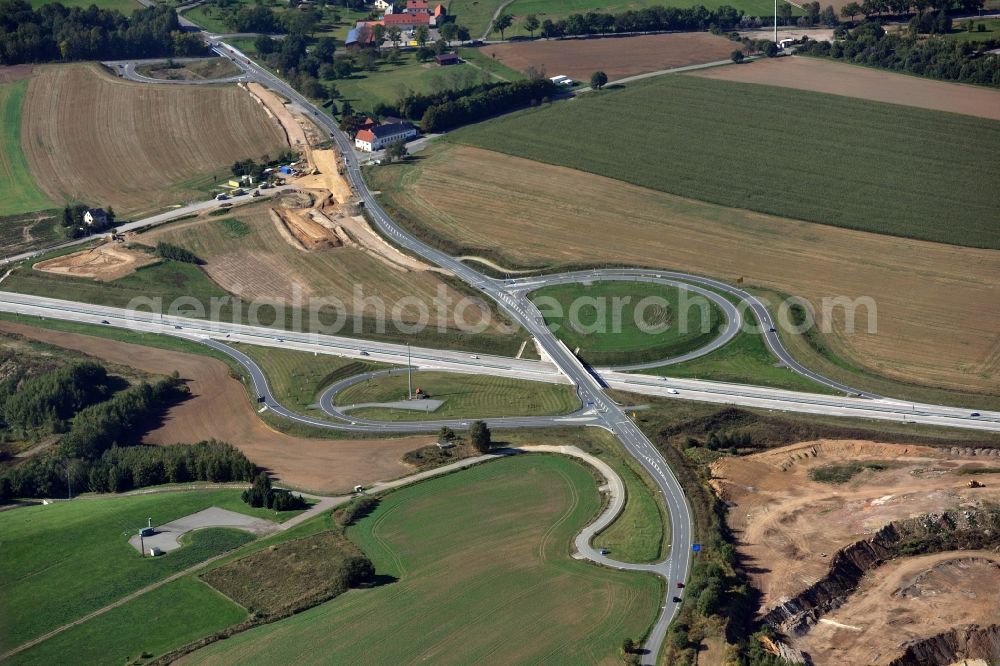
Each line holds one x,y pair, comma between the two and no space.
696,547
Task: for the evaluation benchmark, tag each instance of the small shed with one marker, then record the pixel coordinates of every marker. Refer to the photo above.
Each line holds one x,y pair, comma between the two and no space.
287,170
447,59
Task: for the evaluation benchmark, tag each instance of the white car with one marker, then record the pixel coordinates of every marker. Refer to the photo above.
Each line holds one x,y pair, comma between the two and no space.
673,391
475,356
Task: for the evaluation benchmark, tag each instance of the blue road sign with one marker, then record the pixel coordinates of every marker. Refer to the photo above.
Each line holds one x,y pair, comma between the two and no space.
696,547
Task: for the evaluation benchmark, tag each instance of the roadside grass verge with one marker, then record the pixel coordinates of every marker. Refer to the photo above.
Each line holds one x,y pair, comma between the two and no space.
465,396
454,560
20,193
47,548
688,138
628,322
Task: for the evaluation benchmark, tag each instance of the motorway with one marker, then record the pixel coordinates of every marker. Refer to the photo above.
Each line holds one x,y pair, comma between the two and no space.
559,364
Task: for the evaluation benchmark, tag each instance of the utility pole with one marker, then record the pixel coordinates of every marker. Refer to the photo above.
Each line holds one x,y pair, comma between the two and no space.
775,22
409,374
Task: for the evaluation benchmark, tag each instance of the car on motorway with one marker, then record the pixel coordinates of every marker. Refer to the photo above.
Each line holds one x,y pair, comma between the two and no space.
363,352
105,322
771,330
974,414
474,356
604,551
680,585
676,600
673,391
178,327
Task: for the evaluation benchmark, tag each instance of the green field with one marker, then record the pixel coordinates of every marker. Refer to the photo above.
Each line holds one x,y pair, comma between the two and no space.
478,557
164,615
62,561
391,82
821,158
992,31
637,534
603,320
297,378
209,18
465,396
19,193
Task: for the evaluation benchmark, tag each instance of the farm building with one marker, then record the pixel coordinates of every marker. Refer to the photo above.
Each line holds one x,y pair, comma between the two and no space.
424,7
361,36
380,136
447,59
406,21
95,217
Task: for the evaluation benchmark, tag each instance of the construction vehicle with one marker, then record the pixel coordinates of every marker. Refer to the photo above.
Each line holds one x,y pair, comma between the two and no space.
976,484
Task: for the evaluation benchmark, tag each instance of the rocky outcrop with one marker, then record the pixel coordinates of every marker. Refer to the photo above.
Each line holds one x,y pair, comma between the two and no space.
927,534
970,642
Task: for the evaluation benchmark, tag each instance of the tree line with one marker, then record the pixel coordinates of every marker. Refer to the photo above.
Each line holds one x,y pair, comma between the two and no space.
481,105
262,495
54,32
44,404
177,253
869,44
649,19
123,468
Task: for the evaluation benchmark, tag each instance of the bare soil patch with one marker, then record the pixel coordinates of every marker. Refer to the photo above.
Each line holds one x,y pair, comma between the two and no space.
104,263
197,70
617,57
219,408
275,108
482,199
15,73
837,78
788,525
907,599
91,137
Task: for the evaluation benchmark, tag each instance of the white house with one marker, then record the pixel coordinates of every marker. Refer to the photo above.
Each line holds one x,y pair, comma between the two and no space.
382,5
95,217
380,136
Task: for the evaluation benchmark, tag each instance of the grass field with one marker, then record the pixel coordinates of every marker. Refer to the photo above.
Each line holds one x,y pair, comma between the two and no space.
906,168
364,89
465,396
64,560
165,616
745,360
497,216
20,193
208,18
212,68
91,137
992,31
637,534
297,378
496,69
590,318
479,556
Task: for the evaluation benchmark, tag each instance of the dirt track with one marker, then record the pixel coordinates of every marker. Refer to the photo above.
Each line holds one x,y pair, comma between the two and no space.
837,78
617,57
219,408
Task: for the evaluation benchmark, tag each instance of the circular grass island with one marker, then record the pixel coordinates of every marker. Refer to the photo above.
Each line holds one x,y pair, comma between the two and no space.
619,322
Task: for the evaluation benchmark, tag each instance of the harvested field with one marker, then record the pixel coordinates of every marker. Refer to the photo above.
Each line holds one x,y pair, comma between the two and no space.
103,263
621,222
263,264
94,138
788,525
15,73
219,408
838,78
617,57
903,600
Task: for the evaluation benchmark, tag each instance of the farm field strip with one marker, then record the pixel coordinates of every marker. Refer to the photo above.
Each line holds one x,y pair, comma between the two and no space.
839,78
20,193
703,146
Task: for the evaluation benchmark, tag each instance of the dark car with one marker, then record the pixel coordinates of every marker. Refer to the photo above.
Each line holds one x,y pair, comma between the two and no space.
105,321
677,600
975,414
680,585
